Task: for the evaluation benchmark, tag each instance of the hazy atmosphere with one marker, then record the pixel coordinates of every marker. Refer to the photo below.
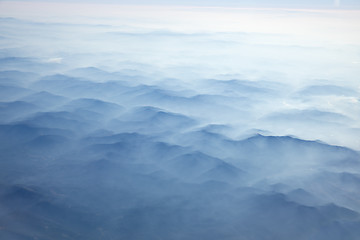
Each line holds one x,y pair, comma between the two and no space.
180,120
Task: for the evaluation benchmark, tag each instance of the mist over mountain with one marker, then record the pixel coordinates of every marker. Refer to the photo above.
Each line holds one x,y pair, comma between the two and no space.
143,122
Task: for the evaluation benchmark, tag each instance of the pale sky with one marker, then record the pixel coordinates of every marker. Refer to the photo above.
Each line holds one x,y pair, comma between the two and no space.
331,25
238,3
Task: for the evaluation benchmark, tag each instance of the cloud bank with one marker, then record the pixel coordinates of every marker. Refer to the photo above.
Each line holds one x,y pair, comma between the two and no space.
134,122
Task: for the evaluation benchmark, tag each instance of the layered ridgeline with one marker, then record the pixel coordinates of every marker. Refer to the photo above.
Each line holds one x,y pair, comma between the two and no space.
91,154
178,123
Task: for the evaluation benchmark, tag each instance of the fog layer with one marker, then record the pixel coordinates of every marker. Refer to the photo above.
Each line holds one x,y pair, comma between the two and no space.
124,122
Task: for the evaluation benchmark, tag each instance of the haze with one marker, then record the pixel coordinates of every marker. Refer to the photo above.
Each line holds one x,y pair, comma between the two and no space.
179,120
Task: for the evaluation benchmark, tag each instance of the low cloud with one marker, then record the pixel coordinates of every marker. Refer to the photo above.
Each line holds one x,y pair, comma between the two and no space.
145,134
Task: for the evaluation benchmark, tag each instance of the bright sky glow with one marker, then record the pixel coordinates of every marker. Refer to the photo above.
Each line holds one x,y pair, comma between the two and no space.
337,26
